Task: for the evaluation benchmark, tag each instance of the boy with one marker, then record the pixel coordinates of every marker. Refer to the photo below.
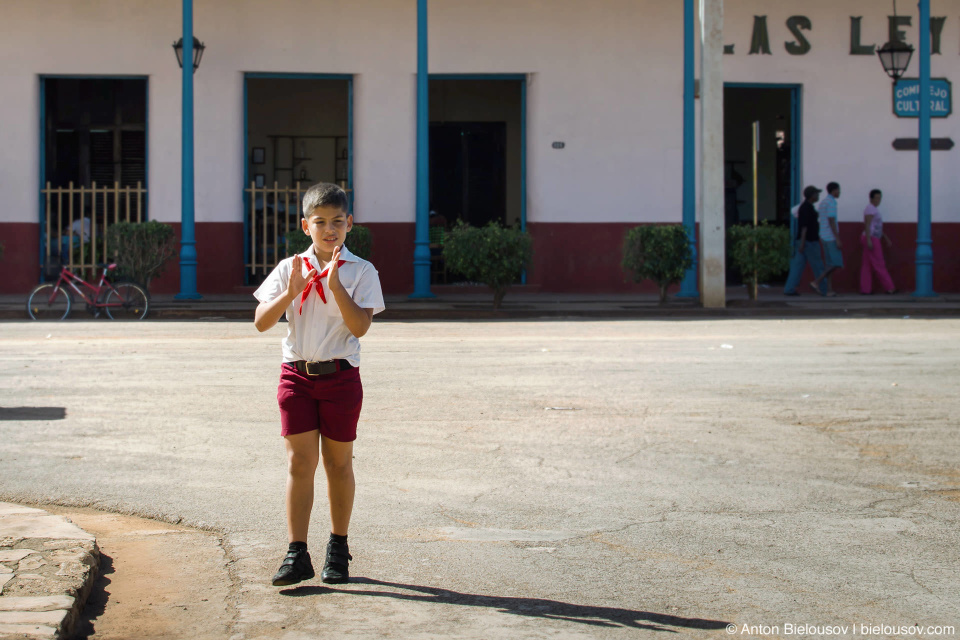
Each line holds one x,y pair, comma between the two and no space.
320,393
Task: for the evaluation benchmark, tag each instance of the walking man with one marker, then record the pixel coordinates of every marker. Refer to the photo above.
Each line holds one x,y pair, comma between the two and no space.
808,244
829,238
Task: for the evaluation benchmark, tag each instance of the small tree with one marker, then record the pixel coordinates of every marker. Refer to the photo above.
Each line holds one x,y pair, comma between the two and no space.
657,252
141,249
493,255
359,240
759,253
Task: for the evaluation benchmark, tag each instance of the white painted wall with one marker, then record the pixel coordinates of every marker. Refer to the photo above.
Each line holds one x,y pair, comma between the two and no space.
605,78
848,122
376,41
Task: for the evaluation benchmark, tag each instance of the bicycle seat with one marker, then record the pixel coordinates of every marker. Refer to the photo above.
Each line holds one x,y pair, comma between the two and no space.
108,267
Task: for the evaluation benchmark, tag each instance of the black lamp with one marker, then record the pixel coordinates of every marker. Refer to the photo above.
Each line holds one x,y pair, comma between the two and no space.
895,58
198,48
895,55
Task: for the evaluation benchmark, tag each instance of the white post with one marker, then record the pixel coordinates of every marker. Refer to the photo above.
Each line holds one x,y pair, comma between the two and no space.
712,263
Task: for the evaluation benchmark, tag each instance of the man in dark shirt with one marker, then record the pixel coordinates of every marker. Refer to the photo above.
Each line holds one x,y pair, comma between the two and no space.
808,244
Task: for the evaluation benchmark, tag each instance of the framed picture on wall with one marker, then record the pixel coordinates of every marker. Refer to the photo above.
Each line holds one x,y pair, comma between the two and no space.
259,180
258,156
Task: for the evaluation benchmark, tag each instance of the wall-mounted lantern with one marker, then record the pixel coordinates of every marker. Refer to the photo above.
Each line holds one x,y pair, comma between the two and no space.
198,48
895,58
895,55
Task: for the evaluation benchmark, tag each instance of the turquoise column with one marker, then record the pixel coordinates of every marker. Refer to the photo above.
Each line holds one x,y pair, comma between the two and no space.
689,286
924,260
188,248
421,253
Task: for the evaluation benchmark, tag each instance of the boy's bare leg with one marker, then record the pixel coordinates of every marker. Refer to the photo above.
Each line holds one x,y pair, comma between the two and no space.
341,486
303,456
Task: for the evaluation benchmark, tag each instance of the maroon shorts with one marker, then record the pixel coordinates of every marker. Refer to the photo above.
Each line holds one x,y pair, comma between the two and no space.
330,403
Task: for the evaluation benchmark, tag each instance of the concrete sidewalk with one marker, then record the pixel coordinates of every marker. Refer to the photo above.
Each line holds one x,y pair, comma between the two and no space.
474,305
47,568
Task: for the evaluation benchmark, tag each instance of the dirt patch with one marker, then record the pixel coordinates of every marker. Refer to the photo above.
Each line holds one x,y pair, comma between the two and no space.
156,581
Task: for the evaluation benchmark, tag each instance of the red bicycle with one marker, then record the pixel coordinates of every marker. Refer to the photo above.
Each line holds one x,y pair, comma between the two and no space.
123,300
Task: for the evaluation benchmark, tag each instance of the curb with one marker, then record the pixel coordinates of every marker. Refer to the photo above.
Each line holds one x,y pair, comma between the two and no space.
48,566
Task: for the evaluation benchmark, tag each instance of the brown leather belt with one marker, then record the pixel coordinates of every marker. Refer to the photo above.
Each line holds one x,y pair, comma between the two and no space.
321,368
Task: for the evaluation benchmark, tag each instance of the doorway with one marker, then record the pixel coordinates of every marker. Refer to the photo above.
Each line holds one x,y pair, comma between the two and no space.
477,151
777,110
298,132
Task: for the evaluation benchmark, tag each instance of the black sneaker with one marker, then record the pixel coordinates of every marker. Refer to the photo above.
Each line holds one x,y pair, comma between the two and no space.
336,568
295,568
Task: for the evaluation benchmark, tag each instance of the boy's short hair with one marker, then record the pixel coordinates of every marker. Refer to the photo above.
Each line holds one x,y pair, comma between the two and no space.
324,194
833,186
875,192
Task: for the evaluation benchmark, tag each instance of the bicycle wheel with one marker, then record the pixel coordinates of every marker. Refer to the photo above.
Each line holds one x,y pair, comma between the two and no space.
47,302
127,301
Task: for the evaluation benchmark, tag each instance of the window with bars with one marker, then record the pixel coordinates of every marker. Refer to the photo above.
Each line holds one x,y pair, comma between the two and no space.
96,131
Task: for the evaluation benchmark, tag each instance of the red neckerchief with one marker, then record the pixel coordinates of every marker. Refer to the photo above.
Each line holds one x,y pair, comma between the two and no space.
316,280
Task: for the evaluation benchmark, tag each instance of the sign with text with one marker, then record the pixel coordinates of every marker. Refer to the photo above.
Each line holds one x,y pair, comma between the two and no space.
906,98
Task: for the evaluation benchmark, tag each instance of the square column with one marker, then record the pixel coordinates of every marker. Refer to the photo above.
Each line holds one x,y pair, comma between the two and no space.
712,226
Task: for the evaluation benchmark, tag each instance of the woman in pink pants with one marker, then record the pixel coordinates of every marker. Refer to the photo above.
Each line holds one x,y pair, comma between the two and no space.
872,251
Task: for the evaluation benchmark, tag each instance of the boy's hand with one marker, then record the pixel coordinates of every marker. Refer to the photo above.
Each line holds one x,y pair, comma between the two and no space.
298,282
333,276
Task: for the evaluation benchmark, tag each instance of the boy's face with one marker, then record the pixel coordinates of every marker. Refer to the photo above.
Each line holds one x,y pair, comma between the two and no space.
327,227
875,200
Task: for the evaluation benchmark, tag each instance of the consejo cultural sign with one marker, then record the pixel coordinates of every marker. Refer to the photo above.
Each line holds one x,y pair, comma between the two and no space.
906,98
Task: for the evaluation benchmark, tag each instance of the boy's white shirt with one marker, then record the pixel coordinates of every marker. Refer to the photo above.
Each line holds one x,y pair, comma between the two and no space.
320,333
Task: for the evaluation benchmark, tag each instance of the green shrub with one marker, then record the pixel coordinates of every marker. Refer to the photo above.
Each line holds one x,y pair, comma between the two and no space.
359,241
493,255
761,252
657,252
141,249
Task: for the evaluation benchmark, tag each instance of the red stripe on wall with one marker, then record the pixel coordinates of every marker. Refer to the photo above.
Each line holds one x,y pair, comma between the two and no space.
568,258
900,258
219,259
392,254
20,264
582,258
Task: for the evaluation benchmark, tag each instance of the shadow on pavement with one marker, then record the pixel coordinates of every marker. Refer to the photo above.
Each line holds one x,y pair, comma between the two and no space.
533,607
33,413
96,602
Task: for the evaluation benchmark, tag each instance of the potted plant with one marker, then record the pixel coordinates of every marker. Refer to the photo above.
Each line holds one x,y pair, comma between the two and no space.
141,249
759,253
494,255
657,252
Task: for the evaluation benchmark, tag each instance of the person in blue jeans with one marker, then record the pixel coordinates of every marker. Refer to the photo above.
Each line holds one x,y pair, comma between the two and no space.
808,244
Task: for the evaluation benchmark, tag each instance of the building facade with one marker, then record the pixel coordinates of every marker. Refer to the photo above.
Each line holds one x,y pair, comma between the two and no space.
562,116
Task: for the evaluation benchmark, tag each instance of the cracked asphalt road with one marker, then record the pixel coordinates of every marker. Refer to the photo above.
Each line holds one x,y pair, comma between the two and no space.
580,479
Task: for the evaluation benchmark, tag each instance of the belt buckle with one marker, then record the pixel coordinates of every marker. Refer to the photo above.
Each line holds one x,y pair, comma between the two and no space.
320,367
